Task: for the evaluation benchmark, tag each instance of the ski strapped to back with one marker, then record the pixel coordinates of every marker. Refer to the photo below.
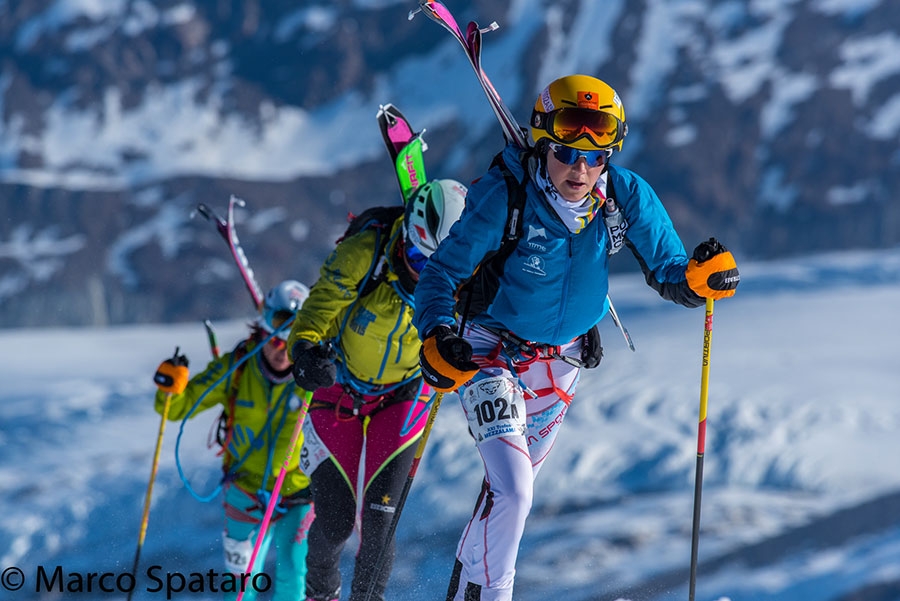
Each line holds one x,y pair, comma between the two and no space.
514,134
405,148
229,234
220,431
471,43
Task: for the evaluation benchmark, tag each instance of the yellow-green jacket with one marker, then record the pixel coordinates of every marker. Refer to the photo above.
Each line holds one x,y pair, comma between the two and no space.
373,335
259,418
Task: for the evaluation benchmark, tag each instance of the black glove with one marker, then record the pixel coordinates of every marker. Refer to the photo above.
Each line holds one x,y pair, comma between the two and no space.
446,360
712,271
313,365
172,375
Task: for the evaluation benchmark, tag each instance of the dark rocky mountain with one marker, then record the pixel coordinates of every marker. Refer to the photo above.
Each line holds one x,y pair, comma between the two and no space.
774,126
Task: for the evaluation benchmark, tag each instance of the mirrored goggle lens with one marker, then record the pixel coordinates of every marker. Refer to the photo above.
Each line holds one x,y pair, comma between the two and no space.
415,258
569,156
570,124
274,320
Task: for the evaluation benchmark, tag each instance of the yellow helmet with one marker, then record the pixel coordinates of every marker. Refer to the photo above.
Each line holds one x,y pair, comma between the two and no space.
579,111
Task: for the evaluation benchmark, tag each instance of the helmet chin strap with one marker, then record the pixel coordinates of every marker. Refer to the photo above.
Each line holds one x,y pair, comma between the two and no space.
539,158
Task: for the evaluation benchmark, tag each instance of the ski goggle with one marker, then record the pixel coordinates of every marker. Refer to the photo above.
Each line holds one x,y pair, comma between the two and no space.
414,257
271,320
569,156
567,125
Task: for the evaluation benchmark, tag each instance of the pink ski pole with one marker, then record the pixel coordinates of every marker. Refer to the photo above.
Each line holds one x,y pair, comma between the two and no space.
273,499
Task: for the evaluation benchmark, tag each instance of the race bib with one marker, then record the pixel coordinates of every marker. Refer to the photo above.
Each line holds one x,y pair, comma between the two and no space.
495,407
314,450
237,554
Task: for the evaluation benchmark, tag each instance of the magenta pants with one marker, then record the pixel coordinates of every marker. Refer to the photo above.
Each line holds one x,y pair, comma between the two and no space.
358,465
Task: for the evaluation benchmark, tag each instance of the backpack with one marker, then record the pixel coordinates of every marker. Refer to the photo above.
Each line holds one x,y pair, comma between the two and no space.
381,219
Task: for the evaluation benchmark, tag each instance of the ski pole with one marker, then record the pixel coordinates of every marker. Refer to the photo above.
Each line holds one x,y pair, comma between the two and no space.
273,498
622,328
420,450
701,443
145,518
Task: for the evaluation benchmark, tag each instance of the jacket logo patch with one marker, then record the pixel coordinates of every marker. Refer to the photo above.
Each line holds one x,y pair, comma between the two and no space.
361,321
534,232
534,264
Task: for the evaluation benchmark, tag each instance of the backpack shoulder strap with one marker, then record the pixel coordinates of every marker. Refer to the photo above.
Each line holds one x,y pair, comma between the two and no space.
226,419
515,205
477,293
614,219
382,219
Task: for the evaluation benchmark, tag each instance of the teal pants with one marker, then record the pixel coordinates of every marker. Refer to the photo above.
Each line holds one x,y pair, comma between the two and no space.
287,530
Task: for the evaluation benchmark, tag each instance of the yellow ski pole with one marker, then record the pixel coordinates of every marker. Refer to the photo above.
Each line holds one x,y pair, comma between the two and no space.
146,517
159,438
701,443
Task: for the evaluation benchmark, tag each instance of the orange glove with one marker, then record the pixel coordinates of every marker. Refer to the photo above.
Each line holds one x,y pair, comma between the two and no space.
712,272
172,375
446,360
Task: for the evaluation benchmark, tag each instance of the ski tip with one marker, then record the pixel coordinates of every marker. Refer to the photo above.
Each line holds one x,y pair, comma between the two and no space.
389,115
473,26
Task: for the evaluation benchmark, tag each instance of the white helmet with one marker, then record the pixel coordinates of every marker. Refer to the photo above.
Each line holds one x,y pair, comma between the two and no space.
431,211
281,304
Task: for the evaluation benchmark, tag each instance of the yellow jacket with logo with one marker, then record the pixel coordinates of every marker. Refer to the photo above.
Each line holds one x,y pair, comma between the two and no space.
373,334
264,417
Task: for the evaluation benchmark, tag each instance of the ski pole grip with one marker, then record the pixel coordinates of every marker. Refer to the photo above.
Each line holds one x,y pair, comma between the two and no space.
172,375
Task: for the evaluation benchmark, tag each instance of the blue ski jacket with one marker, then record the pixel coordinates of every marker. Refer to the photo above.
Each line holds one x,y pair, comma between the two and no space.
554,284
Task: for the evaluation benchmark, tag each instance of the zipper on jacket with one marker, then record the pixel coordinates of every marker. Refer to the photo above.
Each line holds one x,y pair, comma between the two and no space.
390,338
565,290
